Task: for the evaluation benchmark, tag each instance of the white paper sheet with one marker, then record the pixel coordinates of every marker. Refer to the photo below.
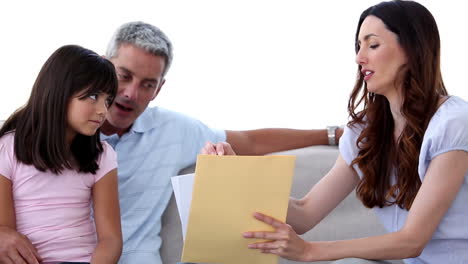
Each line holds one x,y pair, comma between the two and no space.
183,186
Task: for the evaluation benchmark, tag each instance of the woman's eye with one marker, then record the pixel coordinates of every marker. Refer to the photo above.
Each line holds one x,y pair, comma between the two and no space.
374,46
93,96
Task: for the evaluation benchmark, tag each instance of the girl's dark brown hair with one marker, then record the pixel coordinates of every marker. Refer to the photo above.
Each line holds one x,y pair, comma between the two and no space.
40,125
380,156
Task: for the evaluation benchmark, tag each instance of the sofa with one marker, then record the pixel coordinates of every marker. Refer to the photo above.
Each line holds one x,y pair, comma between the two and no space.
349,220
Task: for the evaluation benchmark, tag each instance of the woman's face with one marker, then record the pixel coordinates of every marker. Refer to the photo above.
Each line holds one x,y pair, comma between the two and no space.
380,56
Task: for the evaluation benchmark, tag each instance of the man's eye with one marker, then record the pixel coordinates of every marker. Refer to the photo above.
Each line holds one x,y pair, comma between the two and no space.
123,76
149,85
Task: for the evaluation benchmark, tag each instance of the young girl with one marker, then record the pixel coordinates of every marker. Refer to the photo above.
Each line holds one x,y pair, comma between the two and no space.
53,165
405,152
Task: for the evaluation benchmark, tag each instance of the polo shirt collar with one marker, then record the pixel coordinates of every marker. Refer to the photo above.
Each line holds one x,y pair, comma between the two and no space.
146,121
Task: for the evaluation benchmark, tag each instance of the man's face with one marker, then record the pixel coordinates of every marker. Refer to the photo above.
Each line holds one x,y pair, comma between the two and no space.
140,76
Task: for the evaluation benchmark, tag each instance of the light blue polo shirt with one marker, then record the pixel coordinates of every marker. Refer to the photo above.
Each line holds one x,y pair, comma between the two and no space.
159,144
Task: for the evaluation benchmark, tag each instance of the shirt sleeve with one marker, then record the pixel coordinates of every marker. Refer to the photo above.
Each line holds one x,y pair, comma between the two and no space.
196,135
348,148
107,161
451,134
7,156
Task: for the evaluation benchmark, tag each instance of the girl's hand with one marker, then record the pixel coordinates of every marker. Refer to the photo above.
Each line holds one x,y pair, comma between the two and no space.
220,148
283,242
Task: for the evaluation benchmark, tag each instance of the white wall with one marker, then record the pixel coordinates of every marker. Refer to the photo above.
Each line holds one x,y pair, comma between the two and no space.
238,64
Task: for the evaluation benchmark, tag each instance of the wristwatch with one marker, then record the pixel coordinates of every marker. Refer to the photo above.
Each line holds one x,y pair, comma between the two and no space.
331,135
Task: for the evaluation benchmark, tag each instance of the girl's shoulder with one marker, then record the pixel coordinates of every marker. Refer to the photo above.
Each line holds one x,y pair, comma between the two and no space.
8,138
108,153
7,142
7,155
107,160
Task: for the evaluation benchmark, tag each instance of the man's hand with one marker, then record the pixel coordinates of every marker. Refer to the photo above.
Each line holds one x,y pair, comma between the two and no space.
16,248
220,148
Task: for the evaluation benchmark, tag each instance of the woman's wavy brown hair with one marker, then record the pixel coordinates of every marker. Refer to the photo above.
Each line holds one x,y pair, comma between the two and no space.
380,156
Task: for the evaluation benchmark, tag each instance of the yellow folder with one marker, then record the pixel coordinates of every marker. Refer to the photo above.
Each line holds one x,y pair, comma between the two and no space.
227,190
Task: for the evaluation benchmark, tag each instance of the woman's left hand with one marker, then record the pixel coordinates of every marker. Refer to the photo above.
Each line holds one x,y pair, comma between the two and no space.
283,242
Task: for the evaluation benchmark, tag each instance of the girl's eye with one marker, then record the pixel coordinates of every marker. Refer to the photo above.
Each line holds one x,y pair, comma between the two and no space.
109,101
374,46
93,96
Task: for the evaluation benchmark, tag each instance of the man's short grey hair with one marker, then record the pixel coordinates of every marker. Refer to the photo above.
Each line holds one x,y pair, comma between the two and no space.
145,36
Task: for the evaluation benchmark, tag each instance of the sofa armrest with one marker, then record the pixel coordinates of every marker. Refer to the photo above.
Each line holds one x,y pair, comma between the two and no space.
171,234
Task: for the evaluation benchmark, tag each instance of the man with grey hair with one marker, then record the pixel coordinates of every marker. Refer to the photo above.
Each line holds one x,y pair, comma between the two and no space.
154,144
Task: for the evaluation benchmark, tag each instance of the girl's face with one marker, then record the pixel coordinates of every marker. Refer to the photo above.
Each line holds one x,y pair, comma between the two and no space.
380,56
86,114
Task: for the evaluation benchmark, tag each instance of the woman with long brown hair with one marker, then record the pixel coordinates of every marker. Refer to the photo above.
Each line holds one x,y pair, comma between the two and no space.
405,152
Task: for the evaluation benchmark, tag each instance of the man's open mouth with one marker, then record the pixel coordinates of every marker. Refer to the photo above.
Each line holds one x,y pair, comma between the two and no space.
123,108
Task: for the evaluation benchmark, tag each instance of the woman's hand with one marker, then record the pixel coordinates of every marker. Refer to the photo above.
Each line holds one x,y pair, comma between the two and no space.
283,242
220,148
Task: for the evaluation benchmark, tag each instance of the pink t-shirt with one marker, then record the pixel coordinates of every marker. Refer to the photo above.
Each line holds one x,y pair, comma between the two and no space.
54,211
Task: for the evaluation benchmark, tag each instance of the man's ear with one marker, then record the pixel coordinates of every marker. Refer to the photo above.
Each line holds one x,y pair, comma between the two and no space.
159,89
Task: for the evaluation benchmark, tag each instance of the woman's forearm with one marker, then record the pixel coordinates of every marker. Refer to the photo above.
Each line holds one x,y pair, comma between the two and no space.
397,245
296,217
305,213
